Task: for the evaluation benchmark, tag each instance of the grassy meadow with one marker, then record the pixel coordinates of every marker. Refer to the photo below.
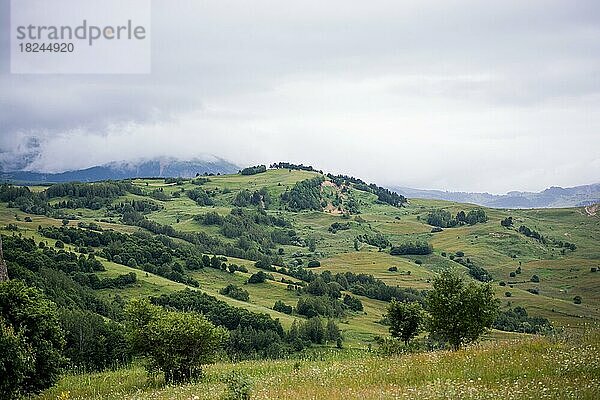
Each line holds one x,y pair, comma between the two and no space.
522,368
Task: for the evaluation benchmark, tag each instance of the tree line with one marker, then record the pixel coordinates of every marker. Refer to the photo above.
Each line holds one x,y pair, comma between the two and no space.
443,219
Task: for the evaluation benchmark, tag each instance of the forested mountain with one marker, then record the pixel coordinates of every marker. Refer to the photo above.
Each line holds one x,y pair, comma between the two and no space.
162,167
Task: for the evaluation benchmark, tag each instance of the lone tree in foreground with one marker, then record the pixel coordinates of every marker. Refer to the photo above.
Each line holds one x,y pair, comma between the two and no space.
405,320
460,313
175,343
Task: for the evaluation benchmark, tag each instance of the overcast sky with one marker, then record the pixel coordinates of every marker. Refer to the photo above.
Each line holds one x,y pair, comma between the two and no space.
456,95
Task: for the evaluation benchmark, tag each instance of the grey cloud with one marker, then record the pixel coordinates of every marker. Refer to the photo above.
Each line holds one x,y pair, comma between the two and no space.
382,89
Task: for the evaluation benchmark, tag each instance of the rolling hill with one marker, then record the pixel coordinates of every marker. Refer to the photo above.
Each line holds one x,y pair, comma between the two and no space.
497,249
310,236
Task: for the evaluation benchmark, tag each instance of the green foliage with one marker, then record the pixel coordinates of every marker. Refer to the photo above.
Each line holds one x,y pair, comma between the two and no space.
259,277
313,306
15,361
305,195
476,216
353,303
507,222
460,313
332,332
517,320
313,264
92,280
239,387
260,198
414,248
405,320
252,334
254,170
31,341
200,197
282,307
384,195
140,250
311,242
443,219
378,240
176,343
235,292
313,330
93,343
143,206
298,167
254,229
476,271
532,234
339,226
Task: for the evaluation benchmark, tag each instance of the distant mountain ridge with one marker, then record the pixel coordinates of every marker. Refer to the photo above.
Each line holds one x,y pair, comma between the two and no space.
553,197
160,167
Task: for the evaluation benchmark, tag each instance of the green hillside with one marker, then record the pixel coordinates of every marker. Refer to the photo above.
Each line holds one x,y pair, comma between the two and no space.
489,245
262,253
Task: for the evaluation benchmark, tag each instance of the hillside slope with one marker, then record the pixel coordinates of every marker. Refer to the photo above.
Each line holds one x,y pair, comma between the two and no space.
342,235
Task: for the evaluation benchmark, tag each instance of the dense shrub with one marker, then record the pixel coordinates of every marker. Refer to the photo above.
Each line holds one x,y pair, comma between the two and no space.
312,306
443,219
282,307
507,222
413,248
251,334
377,240
305,195
176,343
93,343
31,341
517,320
532,234
235,292
254,170
339,226
258,277
353,303
200,197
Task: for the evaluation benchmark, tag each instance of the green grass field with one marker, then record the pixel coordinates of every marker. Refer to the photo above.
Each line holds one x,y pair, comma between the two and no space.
522,368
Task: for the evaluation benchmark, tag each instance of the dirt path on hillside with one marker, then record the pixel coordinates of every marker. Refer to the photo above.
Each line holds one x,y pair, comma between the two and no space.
592,210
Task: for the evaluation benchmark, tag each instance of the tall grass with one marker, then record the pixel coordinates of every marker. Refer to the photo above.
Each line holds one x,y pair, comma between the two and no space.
527,368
